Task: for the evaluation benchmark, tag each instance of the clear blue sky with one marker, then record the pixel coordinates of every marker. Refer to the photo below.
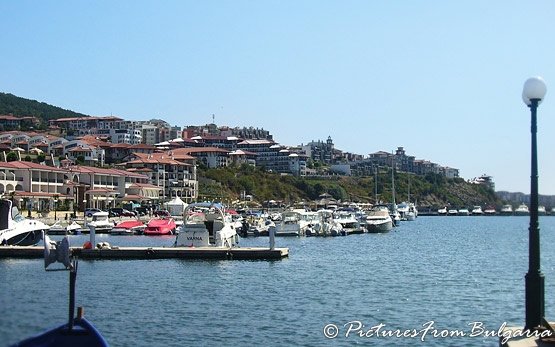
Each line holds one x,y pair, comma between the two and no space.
441,78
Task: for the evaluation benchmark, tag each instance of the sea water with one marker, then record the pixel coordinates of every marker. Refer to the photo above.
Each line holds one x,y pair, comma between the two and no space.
435,281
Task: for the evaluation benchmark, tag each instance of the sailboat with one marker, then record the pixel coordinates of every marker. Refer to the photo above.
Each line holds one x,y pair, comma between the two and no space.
407,210
395,215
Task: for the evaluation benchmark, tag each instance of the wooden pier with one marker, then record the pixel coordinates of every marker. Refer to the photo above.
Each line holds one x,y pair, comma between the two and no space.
243,253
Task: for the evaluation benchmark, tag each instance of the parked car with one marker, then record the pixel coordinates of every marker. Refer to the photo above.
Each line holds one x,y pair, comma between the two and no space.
141,211
90,211
162,213
121,212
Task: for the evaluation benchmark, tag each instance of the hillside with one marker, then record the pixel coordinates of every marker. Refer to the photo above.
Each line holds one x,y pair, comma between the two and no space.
17,106
430,190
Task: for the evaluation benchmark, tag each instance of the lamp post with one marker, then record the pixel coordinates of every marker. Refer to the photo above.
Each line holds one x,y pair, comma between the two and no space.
84,209
55,207
532,94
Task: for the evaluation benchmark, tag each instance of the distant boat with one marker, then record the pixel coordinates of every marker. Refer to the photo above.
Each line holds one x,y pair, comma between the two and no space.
477,211
506,210
442,211
541,210
17,230
490,211
452,212
522,210
378,220
463,212
290,225
349,222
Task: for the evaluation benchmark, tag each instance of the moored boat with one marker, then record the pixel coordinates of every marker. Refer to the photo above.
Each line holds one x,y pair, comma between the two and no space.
17,230
101,223
211,228
477,211
128,227
348,222
490,211
378,220
463,212
78,331
289,225
506,210
522,210
160,226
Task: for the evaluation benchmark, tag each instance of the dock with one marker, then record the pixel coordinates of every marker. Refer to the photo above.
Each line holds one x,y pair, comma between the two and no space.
236,253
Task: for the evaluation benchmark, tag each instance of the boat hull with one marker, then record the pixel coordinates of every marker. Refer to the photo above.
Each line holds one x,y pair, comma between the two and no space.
30,238
83,334
381,227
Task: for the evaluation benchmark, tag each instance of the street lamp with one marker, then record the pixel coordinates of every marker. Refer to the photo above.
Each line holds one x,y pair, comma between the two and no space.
532,94
55,207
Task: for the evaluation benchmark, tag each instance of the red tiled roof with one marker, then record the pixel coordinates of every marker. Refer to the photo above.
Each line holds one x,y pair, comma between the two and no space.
143,185
103,171
29,165
80,149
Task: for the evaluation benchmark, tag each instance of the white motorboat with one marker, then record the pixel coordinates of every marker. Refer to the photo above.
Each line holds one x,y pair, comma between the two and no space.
490,211
63,228
506,210
463,212
378,220
101,223
452,212
442,211
289,225
17,230
211,228
328,226
522,210
348,222
541,210
477,211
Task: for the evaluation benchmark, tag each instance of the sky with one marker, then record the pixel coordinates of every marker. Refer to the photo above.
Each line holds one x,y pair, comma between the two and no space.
443,79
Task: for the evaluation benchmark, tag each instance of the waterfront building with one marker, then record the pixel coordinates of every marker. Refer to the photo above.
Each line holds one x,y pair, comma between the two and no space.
174,174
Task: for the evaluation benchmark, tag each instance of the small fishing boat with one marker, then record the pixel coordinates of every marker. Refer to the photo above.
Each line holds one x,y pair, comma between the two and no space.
160,226
128,227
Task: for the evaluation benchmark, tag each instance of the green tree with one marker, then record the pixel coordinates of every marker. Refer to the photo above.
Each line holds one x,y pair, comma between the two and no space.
12,156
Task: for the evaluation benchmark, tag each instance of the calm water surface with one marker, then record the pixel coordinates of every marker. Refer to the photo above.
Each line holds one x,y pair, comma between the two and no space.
454,271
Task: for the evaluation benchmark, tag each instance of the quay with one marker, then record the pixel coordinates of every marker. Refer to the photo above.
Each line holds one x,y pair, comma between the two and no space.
244,253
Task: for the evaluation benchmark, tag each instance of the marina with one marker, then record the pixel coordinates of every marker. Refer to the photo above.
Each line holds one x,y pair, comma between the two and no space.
453,271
